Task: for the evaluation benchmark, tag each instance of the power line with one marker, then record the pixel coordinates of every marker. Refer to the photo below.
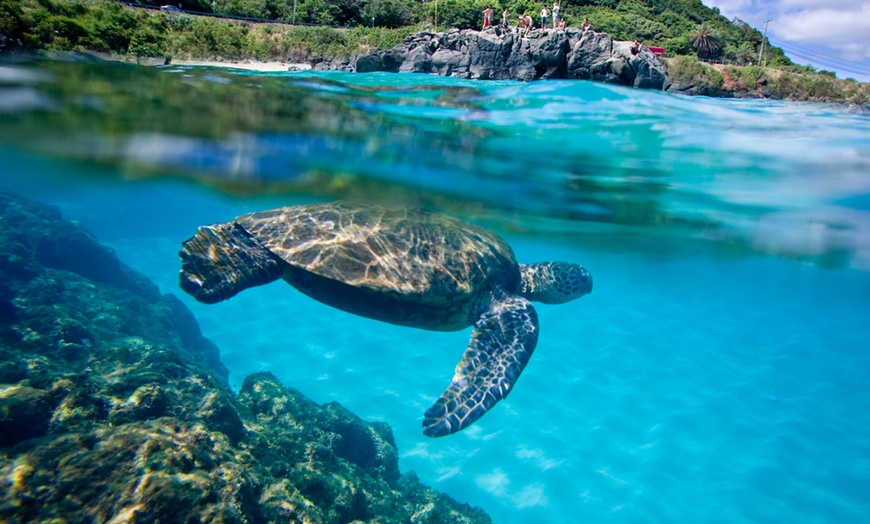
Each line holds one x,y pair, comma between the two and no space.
816,51
846,69
825,60
821,54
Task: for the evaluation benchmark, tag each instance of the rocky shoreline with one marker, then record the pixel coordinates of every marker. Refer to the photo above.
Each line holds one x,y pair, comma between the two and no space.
115,408
494,54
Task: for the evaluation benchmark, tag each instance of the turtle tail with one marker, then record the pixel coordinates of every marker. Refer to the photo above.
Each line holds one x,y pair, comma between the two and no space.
222,260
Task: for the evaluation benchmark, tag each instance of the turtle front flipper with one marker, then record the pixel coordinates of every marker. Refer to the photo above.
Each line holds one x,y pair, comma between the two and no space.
222,260
501,344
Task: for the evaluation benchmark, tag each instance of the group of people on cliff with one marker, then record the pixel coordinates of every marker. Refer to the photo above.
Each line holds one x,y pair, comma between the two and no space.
525,23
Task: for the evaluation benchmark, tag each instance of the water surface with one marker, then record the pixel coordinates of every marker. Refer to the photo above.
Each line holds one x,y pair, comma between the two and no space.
717,373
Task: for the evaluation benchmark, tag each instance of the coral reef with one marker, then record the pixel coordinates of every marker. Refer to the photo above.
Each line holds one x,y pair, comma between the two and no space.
115,408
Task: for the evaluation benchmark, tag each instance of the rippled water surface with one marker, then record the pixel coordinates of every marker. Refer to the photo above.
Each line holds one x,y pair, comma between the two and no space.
717,373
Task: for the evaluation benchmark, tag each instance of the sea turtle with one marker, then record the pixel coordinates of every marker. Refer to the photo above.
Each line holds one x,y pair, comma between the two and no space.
406,266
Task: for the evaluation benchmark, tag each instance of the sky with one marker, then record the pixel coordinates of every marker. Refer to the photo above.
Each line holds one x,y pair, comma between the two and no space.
833,35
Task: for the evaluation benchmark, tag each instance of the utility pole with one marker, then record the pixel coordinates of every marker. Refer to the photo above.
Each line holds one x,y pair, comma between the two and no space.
763,38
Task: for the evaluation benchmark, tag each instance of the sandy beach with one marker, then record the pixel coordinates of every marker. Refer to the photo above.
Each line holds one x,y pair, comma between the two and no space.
270,66
248,65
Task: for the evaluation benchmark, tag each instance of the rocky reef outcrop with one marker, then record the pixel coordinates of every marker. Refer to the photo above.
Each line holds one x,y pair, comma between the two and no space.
494,54
115,408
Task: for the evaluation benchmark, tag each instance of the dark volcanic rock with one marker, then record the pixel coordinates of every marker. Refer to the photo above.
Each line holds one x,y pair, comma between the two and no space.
496,55
113,407
24,414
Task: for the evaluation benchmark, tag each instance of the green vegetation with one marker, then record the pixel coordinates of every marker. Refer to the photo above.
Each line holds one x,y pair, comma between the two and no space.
673,24
682,27
756,81
196,37
687,70
111,27
781,84
687,30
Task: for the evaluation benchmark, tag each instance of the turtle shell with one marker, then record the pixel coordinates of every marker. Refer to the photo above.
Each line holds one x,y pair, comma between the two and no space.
422,260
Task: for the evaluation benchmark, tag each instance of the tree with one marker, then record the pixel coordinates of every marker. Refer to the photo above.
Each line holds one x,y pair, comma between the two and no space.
746,53
386,13
462,14
706,44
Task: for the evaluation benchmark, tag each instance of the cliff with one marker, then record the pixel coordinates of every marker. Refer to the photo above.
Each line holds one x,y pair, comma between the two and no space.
492,54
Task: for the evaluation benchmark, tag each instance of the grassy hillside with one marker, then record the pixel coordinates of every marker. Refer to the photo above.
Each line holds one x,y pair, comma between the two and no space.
764,82
683,27
112,27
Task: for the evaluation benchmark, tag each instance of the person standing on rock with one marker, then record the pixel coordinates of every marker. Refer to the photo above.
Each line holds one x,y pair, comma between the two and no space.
505,18
521,25
487,17
555,14
544,14
586,25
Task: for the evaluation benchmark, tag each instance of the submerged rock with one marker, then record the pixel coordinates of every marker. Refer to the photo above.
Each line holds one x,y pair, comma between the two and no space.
114,407
493,54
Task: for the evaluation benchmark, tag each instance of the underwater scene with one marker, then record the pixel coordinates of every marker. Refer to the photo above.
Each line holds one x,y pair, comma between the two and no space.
715,372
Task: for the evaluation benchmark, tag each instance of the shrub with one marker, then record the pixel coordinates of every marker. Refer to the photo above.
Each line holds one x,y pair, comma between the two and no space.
751,76
680,45
688,71
857,96
380,37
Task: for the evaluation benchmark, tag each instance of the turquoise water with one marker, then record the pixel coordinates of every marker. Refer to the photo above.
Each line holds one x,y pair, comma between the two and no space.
717,373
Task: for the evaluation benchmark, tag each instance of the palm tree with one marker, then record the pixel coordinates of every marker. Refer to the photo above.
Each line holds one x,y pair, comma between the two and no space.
746,53
706,44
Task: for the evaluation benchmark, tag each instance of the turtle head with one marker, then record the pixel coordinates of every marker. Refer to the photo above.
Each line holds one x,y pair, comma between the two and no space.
554,282
223,259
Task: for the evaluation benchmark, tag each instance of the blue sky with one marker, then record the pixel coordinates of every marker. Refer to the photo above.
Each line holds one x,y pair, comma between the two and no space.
833,35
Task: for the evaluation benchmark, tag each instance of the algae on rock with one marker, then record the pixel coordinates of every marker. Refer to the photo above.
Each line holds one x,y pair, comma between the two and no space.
114,407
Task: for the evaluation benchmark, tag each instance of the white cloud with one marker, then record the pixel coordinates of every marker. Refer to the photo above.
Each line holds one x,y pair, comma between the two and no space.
845,5
856,52
829,34
728,5
839,24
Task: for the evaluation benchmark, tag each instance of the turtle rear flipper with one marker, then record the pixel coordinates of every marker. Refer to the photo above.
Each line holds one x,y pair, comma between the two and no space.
222,260
501,344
